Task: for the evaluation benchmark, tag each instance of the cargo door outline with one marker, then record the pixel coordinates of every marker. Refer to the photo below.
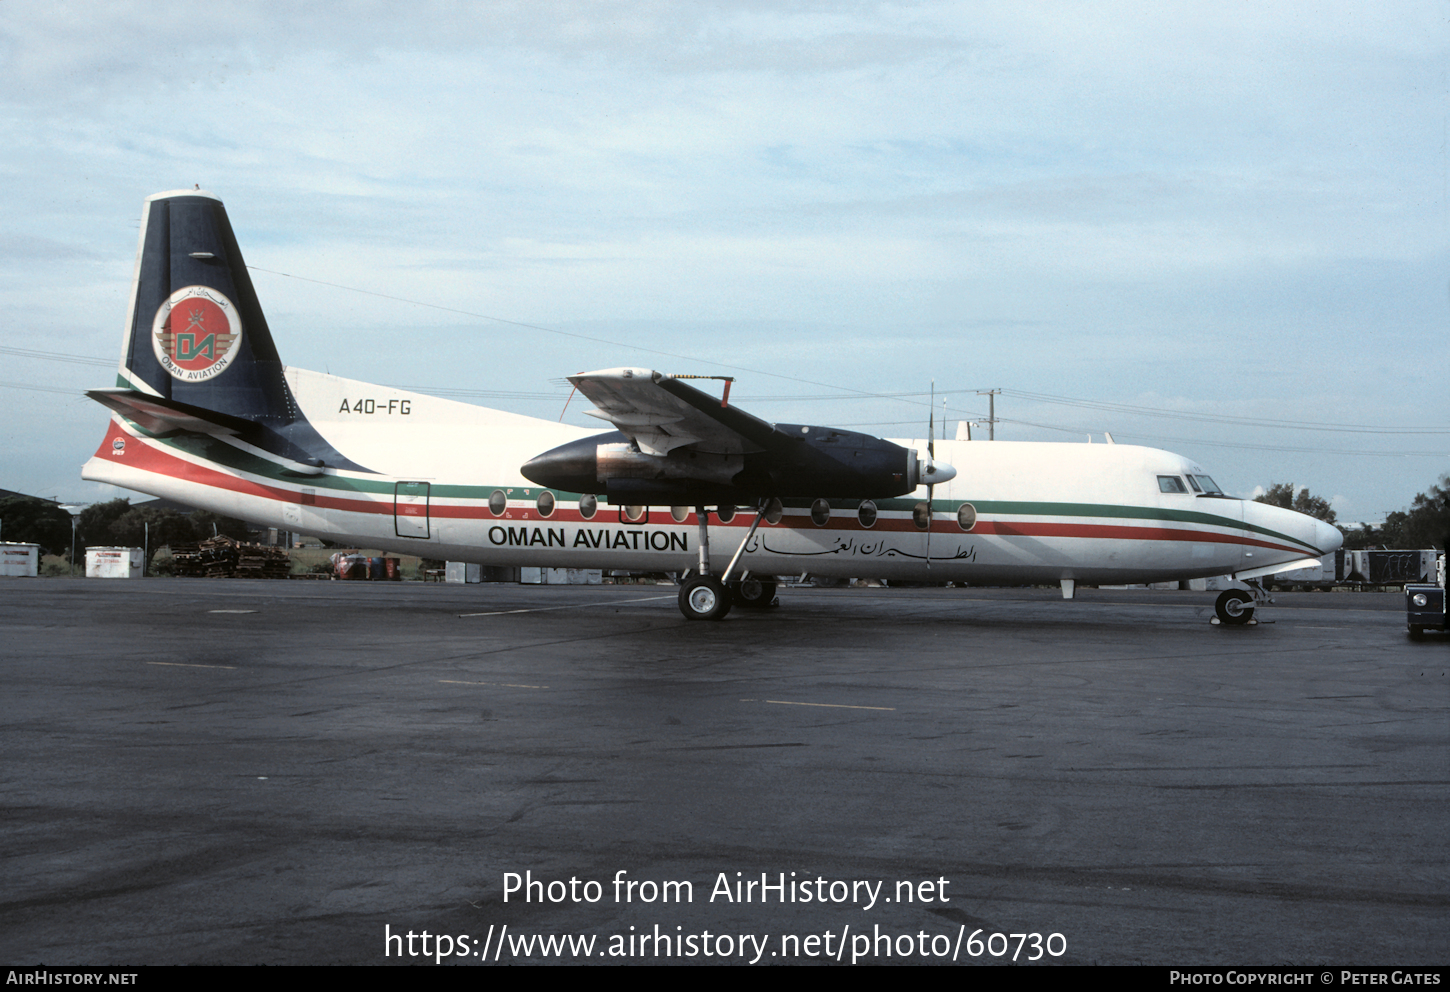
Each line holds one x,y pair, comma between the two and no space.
410,509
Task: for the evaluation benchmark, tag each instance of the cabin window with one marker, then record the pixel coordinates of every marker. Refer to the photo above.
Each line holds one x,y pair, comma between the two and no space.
545,504
680,513
774,510
966,516
921,515
820,512
725,512
1171,484
866,513
497,503
588,506
635,514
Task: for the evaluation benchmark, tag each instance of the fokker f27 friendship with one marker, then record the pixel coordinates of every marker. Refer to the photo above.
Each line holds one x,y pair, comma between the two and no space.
205,413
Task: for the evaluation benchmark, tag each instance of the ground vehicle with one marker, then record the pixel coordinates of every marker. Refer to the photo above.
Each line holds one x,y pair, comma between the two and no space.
1425,603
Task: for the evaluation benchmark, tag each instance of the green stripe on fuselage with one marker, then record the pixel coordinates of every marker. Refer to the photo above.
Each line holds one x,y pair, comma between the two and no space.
220,452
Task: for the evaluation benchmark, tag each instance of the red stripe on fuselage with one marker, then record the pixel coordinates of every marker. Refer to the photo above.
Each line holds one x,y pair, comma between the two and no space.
139,453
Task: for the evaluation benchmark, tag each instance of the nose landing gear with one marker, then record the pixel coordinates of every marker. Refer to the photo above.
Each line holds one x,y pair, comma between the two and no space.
1235,607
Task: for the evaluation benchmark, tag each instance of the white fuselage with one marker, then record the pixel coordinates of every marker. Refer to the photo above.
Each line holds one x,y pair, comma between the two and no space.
1035,512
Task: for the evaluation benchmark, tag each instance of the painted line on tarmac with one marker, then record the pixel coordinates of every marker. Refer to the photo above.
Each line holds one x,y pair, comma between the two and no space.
507,685
834,706
571,606
179,664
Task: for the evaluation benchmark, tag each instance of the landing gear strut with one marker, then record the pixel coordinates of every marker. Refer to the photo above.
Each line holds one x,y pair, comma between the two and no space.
705,597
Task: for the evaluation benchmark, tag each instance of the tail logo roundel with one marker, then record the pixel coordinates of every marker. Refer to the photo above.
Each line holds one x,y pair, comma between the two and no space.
196,333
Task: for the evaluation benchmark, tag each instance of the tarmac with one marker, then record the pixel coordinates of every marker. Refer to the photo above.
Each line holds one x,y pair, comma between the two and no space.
253,772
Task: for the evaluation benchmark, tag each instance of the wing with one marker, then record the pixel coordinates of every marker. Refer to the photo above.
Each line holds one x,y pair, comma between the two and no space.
659,413
687,447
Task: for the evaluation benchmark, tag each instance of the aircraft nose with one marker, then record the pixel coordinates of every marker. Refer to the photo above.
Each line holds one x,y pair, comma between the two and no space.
1310,534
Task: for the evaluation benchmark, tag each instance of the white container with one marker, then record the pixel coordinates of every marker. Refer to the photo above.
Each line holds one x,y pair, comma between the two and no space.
561,576
113,563
20,559
462,571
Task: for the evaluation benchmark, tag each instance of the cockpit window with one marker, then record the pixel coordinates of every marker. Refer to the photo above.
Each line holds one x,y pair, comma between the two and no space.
1193,484
1209,486
1170,484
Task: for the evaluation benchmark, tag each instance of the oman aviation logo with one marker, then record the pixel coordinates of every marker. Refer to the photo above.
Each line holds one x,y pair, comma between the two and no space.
196,333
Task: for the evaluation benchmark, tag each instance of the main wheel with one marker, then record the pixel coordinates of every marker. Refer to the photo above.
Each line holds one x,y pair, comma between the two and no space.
702,597
1417,633
1234,606
753,593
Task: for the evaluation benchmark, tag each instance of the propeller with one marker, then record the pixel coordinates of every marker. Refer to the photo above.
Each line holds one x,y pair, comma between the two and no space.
930,465
933,473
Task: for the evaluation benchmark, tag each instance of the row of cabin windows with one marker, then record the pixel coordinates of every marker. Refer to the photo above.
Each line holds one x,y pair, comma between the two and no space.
1201,484
866,513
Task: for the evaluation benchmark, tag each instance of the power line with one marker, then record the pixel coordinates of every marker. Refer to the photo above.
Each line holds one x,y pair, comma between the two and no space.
1147,411
56,356
570,334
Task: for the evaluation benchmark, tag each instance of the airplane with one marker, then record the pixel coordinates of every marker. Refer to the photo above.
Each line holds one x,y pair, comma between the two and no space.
205,413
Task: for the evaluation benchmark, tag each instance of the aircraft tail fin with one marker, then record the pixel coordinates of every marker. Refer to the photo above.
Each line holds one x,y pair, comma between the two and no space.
195,332
196,338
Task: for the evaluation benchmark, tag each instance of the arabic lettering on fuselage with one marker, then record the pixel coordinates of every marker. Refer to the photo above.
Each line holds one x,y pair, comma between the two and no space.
877,549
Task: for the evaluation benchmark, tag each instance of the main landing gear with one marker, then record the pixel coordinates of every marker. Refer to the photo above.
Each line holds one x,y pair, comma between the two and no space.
753,593
1235,607
705,597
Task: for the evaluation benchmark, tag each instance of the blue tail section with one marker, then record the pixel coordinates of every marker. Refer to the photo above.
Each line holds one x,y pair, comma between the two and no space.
197,342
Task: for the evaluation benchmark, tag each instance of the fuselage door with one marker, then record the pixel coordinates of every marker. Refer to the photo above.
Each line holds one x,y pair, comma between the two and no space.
410,509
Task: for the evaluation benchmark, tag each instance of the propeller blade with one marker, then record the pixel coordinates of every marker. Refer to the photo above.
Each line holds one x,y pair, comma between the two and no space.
931,470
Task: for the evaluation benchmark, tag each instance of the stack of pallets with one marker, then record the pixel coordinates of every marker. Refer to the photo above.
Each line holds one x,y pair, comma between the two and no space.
222,557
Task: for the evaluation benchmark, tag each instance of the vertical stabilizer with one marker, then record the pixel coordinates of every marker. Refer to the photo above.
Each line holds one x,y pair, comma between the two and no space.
196,333
196,338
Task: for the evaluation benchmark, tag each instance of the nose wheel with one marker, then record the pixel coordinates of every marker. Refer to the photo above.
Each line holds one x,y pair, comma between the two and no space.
1235,607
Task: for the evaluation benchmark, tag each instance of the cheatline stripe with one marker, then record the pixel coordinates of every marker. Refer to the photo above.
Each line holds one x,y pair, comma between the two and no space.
162,463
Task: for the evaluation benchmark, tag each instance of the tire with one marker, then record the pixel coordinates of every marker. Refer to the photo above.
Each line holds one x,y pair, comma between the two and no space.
1417,633
704,598
753,593
1234,607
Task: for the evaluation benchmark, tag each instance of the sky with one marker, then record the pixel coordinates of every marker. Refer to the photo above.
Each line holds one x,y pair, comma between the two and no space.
1219,228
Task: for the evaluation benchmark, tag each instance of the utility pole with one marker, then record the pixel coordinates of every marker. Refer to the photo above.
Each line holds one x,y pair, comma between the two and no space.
991,412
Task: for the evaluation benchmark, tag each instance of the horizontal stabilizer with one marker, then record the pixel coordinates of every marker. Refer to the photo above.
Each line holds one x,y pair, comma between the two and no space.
159,415
163,416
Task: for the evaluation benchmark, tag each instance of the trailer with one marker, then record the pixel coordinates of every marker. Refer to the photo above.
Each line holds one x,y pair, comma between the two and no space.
1360,568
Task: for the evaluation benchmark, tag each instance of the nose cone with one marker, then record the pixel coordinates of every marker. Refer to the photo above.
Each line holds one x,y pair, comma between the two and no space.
1292,530
570,467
